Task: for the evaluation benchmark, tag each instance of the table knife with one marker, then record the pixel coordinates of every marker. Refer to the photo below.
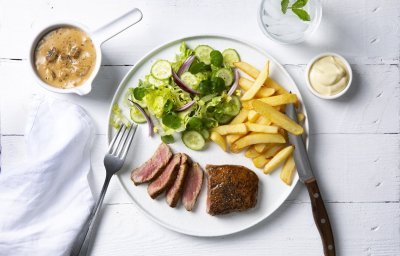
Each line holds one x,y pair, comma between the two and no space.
307,177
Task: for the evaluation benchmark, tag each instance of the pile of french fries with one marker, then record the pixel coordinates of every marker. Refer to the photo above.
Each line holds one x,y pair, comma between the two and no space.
261,127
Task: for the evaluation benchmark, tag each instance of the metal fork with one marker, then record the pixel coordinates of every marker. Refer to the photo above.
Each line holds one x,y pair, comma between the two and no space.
113,161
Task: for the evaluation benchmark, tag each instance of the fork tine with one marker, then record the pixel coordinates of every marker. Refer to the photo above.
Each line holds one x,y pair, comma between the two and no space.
122,142
128,141
118,144
115,138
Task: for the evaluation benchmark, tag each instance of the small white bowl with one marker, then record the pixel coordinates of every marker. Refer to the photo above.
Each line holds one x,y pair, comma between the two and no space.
98,38
349,71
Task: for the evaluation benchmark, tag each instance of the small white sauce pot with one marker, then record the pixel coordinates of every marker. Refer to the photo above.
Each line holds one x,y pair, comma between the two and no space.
98,37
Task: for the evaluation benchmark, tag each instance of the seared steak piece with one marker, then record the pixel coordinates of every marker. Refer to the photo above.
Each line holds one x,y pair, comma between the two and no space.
166,179
175,192
231,188
192,186
152,167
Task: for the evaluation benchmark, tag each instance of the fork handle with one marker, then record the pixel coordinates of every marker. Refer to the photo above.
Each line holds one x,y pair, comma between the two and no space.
81,244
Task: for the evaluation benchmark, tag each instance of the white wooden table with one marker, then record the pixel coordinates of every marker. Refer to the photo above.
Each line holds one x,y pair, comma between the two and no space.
355,141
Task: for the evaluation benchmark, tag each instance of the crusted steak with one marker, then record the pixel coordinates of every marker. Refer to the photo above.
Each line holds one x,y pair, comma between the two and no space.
231,188
152,167
192,186
166,178
174,193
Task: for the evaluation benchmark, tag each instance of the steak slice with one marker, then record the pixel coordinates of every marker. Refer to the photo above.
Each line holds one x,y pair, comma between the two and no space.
192,186
231,188
166,179
152,167
175,192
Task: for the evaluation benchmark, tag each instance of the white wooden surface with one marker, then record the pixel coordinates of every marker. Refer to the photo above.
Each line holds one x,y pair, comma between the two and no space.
354,141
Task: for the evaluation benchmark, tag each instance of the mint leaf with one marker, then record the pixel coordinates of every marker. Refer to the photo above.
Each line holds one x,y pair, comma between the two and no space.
299,4
284,5
303,15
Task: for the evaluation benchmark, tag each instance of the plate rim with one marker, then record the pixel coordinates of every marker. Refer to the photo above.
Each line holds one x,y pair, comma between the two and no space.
145,58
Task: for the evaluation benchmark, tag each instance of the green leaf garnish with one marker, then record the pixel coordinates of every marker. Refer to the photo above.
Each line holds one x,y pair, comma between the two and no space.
299,4
168,139
195,124
284,6
199,67
297,8
216,58
303,15
139,93
171,120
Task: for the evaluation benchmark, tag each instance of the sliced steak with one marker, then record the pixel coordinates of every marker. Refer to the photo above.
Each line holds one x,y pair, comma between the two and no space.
192,186
175,192
166,178
231,188
152,168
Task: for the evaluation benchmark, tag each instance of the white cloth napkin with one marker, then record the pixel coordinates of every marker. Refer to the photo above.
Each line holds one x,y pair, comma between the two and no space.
45,201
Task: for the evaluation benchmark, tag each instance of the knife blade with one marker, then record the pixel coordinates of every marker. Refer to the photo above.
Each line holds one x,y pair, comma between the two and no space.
306,175
300,153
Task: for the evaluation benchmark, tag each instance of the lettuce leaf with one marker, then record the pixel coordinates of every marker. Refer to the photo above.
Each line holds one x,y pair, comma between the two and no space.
184,53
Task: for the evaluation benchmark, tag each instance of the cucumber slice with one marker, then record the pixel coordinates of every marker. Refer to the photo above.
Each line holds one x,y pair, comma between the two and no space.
161,70
205,133
230,56
190,80
226,75
233,106
137,116
193,140
154,81
223,118
202,52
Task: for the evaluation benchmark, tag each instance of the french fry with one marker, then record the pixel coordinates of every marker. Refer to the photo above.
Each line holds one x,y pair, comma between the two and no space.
251,152
253,116
263,147
260,148
274,101
300,117
262,128
263,120
284,133
253,72
277,117
261,78
260,161
271,151
241,117
230,138
256,138
219,140
231,129
288,170
278,158
245,83
247,105
264,92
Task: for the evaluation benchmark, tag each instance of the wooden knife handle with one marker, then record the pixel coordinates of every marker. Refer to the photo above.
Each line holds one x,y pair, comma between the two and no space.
321,217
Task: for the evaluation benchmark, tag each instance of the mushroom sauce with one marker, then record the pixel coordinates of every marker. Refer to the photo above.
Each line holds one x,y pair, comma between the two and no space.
65,57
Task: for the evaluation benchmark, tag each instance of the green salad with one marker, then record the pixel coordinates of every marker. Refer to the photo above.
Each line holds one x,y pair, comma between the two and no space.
188,96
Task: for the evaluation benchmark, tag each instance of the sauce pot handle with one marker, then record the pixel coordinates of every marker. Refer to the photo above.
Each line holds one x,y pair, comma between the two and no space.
117,26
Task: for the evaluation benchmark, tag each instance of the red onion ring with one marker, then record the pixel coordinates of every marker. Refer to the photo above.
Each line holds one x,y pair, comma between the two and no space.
185,66
235,84
148,119
186,106
182,85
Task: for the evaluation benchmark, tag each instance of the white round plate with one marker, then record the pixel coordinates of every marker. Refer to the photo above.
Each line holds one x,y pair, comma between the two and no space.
272,191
